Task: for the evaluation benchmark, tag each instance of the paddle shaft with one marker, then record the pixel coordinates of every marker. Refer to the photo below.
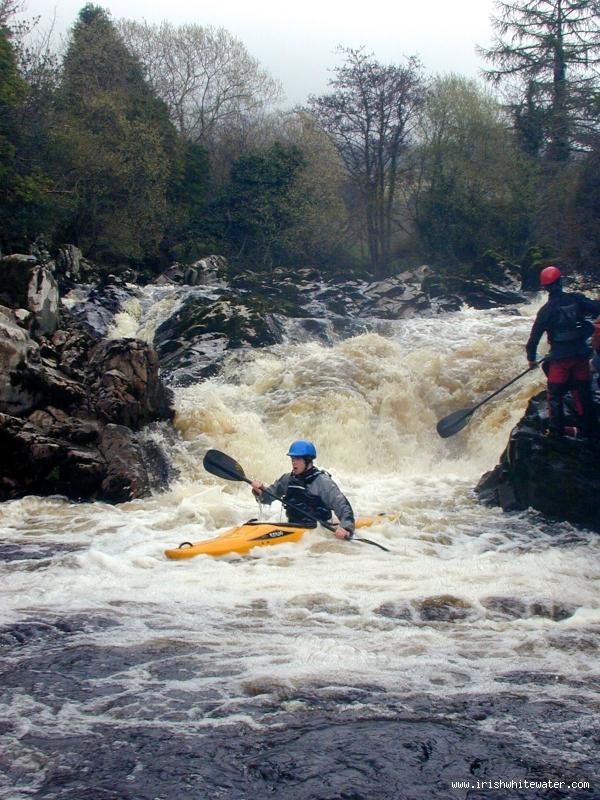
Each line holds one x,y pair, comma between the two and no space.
502,388
456,421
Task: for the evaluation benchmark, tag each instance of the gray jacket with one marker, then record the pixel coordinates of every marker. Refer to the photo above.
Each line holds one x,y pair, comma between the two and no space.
324,487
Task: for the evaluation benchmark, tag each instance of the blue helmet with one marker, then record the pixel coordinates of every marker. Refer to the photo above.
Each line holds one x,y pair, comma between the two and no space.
302,449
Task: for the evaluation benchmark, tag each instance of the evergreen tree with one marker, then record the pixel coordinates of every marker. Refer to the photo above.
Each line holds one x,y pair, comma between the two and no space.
23,184
551,48
259,206
582,245
188,235
117,150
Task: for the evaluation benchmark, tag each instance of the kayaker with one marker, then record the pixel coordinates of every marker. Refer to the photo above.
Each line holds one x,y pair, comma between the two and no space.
309,489
563,319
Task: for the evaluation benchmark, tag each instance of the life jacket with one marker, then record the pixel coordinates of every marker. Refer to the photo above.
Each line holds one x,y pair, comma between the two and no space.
297,494
566,324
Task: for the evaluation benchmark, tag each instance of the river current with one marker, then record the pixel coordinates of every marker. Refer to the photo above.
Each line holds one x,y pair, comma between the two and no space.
463,663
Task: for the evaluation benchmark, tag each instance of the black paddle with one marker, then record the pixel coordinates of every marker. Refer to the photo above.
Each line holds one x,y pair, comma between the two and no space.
456,421
223,466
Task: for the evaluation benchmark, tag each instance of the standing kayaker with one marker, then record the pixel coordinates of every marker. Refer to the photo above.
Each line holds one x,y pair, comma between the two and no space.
563,319
309,490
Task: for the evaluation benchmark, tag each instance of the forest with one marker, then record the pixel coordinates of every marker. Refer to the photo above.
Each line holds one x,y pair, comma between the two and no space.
146,144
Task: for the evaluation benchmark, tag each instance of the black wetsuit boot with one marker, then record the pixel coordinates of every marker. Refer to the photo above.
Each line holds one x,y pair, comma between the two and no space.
587,421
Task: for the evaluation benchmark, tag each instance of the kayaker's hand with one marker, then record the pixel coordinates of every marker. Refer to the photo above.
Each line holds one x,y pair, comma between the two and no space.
533,364
342,533
257,487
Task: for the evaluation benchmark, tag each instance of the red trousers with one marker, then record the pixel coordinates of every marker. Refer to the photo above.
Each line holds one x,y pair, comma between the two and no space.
570,374
568,369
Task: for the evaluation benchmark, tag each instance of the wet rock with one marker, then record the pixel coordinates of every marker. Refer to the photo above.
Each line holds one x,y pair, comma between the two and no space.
55,387
69,262
444,608
30,459
27,284
70,347
159,470
56,423
321,604
81,473
206,271
19,355
395,298
58,397
43,300
106,299
15,271
201,331
557,476
251,309
96,462
125,476
515,608
505,607
36,463
489,283
125,383
549,610
393,610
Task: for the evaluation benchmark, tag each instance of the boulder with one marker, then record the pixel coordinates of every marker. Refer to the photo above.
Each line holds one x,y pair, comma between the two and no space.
558,477
43,300
125,475
30,459
197,336
476,292
24,283
69,407
97,312
205,272
124,383
19,357
69,261
394,298
57,424
15,273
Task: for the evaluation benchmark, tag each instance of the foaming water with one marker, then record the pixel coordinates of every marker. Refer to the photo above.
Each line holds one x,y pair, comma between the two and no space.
100,629
140,316
372,401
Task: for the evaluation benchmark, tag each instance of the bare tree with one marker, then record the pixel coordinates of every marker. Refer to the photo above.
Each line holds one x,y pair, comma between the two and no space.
205,75
370,117
9,9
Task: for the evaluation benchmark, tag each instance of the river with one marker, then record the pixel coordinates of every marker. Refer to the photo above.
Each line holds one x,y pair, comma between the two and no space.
323,670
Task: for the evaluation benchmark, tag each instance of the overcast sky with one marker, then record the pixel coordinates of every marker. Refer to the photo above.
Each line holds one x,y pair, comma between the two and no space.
297,43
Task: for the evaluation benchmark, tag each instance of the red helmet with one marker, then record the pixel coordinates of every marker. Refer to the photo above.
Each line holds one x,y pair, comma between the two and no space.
549,275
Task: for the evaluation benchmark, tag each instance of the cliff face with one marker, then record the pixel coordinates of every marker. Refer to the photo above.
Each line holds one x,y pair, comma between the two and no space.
560,477
71,407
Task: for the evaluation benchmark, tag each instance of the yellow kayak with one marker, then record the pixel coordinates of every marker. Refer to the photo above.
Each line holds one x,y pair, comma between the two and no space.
252,534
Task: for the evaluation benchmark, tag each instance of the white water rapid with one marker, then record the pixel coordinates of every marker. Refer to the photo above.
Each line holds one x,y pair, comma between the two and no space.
469,602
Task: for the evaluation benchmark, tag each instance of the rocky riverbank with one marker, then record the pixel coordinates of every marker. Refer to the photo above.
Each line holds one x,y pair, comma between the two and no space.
558,477
71,405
